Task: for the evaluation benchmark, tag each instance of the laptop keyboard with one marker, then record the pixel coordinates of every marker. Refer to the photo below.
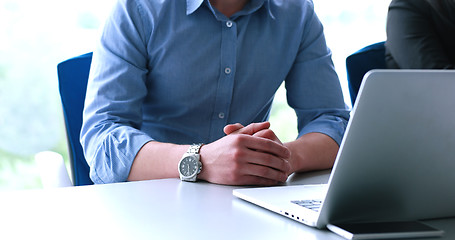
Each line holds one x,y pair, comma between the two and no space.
314,205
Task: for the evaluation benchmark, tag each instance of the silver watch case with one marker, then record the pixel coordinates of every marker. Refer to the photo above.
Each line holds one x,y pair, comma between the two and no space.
189,167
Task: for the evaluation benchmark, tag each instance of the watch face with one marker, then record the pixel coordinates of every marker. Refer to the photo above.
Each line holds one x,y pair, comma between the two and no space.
189,166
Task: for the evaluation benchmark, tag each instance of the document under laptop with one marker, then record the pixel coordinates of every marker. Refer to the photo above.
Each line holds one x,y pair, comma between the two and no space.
396,161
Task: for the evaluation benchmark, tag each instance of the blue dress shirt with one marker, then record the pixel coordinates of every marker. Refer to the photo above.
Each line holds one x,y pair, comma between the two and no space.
178,71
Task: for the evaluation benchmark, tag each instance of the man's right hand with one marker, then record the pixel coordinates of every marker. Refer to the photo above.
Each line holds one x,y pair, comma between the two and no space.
250,155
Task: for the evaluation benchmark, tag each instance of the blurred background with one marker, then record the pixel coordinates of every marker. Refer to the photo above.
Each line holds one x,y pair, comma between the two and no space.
36,35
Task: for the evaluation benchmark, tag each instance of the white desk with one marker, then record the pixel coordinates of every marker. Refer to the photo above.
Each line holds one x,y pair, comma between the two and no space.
159,209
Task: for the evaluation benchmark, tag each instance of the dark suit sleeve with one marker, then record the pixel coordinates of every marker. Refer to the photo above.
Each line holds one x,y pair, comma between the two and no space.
413,41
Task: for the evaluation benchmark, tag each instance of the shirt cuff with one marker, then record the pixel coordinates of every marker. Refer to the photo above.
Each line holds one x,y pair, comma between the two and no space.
333,127
115,158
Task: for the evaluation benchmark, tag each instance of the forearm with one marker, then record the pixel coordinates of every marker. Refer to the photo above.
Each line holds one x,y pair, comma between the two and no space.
237,159
253,157
312,151
157,160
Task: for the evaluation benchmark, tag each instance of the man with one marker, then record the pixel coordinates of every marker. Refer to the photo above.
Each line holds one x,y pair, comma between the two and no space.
171,73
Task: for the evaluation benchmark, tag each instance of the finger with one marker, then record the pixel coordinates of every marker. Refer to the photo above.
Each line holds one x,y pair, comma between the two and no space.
269,134
252,128
269,161
265,145
228,129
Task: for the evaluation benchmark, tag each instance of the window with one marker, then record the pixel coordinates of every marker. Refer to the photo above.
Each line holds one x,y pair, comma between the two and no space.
36,36
348,25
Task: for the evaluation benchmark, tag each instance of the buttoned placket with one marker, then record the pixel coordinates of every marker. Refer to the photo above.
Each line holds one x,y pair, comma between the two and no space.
226,78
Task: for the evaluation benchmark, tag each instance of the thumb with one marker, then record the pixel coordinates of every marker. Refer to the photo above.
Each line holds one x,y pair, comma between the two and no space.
231,128
250,129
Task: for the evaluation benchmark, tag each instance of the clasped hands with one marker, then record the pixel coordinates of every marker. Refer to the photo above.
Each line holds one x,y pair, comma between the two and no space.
251,155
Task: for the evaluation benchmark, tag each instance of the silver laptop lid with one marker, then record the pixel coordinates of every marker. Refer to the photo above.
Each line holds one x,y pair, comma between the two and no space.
397,159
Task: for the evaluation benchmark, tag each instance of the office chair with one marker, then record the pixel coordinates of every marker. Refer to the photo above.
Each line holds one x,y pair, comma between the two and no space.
362,61
72,79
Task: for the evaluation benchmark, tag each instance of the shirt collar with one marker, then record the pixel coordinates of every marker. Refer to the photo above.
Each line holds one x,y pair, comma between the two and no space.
193,5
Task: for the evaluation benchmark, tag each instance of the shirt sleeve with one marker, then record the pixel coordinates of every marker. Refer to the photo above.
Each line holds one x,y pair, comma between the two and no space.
413,41
312,86
112,118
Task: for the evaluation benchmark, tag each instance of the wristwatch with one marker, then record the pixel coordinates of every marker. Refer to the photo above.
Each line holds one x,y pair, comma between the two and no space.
190,165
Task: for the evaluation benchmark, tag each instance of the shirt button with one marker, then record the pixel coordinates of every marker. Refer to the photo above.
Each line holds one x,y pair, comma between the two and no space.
229,24
227,70
221,115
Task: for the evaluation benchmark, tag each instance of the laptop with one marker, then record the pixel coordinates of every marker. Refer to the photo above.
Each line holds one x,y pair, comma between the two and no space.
396,161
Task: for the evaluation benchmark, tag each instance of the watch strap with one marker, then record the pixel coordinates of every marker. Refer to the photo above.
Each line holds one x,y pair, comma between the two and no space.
194,149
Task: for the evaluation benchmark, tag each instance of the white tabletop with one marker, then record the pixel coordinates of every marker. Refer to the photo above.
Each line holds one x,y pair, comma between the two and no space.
158,209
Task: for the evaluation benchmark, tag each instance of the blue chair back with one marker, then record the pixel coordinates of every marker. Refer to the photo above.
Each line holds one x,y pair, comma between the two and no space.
362,61
72,79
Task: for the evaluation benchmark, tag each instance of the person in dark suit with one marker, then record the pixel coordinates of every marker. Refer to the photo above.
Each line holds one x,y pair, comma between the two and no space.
421,34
